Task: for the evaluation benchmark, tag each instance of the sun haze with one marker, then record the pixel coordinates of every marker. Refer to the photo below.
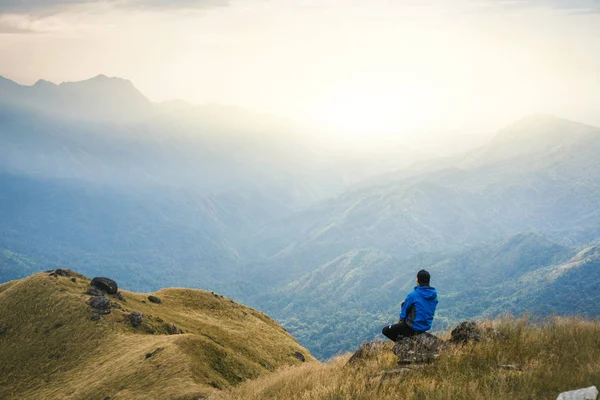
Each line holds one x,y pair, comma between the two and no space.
360,69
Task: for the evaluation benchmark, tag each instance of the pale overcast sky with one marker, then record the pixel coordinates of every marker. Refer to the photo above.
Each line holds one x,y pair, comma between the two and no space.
385,65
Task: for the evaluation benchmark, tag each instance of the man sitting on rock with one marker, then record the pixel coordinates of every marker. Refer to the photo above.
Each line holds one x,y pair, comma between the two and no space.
418,310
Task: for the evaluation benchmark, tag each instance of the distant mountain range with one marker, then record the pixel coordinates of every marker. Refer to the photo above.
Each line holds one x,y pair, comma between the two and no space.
93,176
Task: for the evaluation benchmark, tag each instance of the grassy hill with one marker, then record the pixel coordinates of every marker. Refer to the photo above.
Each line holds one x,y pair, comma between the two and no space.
556,355
51,348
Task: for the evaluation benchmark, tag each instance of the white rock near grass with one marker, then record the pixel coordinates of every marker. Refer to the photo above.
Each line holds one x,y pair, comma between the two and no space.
590,393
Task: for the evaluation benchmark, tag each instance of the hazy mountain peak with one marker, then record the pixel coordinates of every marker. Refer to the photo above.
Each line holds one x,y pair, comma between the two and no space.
97,98
5,82
44,83
543,125
111,85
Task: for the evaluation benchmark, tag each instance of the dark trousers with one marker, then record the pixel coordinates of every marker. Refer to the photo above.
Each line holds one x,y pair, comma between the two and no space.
396,331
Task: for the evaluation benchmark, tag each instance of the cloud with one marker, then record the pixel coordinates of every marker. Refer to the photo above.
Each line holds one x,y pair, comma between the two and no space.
574,6
16,23
49,7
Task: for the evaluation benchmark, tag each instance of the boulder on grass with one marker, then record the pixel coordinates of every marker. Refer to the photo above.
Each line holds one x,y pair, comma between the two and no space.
418,349
105,284
94,292
366,350
135,318
99,303
590,393
465,332
299,356
154,299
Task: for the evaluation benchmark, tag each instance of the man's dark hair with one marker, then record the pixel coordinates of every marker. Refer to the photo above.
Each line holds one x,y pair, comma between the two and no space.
423,277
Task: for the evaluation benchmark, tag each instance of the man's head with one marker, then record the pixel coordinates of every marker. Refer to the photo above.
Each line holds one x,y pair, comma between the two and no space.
423,278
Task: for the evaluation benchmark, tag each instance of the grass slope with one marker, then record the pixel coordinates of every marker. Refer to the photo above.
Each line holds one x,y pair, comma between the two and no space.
52,349
557,355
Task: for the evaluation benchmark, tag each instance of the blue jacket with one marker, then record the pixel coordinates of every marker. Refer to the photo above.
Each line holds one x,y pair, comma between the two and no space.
419,308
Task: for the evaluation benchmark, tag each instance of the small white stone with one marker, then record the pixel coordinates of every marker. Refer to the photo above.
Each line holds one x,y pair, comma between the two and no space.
590,393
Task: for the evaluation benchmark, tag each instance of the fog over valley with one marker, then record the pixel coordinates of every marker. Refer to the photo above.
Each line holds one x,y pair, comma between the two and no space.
97,178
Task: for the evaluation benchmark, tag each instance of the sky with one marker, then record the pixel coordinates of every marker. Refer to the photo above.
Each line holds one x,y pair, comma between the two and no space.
377,67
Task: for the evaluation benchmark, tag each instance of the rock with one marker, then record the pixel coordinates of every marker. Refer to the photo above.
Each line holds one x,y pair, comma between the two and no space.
135,318
106,285
95,317
466,332
299,356
120,296
418,349
590,393
99,303
155,352
53,274
173,330
94,292
115,305
2,331
366,350
62,272
154,299
74,280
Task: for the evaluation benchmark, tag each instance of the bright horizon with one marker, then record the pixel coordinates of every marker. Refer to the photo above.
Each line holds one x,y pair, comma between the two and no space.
369,71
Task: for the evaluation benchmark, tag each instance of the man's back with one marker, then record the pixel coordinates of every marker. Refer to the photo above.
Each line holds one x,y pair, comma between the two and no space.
417,311
423,300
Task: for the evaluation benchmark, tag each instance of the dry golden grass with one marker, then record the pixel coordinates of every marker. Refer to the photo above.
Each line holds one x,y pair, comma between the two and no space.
52,350
557,355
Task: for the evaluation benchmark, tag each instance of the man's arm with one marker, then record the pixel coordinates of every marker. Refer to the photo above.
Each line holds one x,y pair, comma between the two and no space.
405,306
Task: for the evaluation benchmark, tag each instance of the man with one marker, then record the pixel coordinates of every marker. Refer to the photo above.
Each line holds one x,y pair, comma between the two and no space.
417,311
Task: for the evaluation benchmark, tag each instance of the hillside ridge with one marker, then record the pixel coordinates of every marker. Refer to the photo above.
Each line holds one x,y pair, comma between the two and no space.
184,345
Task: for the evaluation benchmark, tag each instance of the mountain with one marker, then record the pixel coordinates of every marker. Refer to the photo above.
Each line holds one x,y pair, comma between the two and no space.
327,242
550,188
189,345
98,98
338,305
170,188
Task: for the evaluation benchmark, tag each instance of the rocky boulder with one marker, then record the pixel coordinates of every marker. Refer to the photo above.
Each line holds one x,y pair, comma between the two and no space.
366,350
465,332
99,303
590,393
94,292
299,356
105,284
418,349
154,299
135,318
174,330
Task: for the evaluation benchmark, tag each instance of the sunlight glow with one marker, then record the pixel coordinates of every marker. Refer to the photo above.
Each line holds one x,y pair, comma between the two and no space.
367,110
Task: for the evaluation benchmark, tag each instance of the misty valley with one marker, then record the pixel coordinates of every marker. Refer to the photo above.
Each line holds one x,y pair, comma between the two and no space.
96,178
